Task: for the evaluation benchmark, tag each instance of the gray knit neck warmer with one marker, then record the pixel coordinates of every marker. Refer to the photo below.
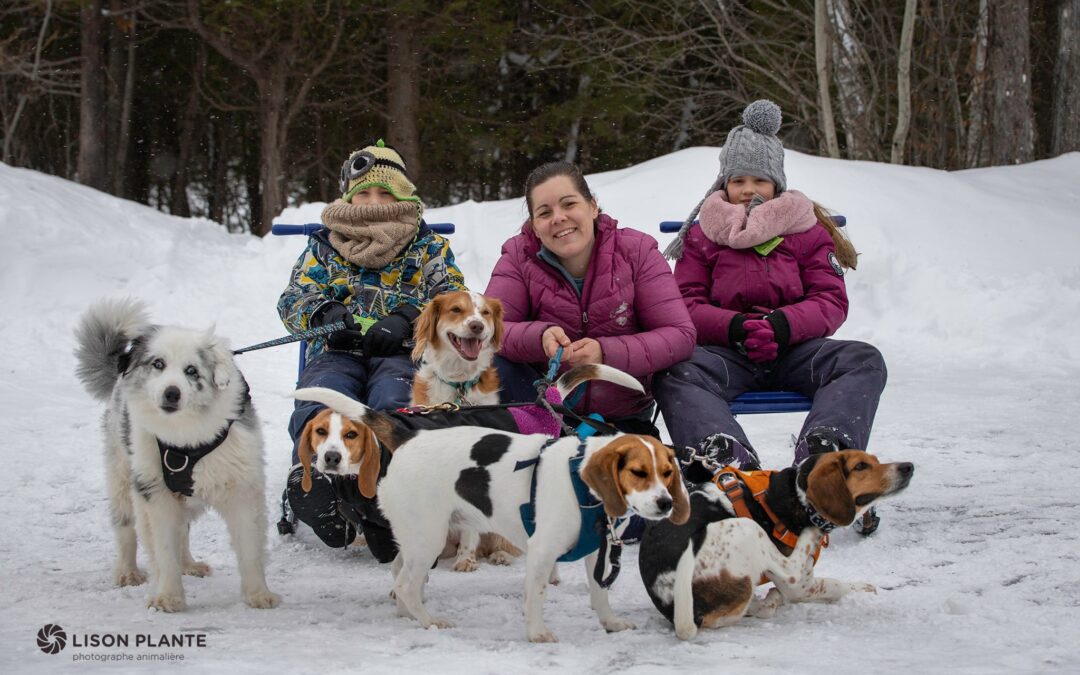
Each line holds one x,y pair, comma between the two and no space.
371,235
751,149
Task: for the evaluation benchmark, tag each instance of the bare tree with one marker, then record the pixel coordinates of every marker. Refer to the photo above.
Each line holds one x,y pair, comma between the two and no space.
284,56
93,168
976,128
1012,117
1065,134
403,95
903,83
824,77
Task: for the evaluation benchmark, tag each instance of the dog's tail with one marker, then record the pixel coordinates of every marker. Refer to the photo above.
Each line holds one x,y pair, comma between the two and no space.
336,401
683,596
103,335
579,375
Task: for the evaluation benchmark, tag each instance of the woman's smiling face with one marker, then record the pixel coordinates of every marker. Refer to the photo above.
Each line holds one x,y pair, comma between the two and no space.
563,219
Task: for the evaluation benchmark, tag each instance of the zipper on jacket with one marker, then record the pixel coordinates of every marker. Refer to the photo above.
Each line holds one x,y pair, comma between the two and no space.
584,320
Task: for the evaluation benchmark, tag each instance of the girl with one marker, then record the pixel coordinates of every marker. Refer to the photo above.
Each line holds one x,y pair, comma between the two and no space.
605,295
763,278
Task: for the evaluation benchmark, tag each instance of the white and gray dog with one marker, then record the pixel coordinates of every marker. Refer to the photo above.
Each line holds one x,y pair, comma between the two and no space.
180,434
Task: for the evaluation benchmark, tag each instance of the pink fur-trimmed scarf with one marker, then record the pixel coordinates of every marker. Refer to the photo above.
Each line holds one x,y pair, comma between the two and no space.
728,225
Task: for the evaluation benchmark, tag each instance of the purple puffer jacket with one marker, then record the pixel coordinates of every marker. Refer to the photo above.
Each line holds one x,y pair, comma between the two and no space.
799,277
630,305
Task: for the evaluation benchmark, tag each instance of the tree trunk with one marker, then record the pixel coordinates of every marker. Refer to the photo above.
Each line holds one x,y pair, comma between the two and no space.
273,135
92,168
403,97
824,77
849,74
13,123
1065,136
976,154
1012,116
187,140
903,84
123,122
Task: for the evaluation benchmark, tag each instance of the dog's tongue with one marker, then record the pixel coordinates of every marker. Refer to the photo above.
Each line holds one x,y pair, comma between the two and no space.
470,347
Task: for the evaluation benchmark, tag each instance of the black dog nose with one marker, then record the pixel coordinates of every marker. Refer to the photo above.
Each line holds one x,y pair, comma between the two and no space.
172,395
476,327
664,503
332,458
906,469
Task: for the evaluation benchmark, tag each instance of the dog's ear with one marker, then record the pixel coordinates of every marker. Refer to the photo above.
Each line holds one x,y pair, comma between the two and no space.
424,331
601,474
680,509
305,450
827,490
370,464
221,364
497,321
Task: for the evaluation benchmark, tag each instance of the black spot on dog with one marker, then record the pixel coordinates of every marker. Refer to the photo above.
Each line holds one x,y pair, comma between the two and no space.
144,487
125,429
490,449
473,486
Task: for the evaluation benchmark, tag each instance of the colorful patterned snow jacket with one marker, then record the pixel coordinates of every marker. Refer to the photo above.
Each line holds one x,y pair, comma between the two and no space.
630,304
801,277
423,269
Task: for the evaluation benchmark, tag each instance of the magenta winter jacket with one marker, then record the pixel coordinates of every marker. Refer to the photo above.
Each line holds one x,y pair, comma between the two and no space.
630,304
801,277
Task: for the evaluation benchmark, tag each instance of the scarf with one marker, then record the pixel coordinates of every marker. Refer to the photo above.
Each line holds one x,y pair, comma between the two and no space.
371,235
728,224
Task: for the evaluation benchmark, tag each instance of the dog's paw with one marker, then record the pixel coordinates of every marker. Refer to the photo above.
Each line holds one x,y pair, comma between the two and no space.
501,558
167,603
616,624
133,577
262,599
437,622
466,565
197,568
542,636
554,578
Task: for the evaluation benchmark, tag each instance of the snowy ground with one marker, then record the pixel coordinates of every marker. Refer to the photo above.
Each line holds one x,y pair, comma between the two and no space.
968,284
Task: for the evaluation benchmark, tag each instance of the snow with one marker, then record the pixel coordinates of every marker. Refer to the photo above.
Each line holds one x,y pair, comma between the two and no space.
968,283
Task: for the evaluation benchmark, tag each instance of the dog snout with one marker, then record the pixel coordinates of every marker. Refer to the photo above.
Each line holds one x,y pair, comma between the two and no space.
475,326
664,503
170,398
904,471
332,459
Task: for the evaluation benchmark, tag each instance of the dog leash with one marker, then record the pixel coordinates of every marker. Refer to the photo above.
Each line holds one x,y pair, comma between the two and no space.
307,335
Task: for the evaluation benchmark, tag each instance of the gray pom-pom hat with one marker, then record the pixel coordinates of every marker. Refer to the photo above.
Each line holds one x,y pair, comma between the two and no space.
751,149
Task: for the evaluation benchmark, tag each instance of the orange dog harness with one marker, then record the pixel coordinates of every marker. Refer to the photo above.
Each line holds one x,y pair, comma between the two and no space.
731,481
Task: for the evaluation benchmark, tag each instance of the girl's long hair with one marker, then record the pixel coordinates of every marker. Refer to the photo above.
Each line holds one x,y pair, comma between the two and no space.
845,250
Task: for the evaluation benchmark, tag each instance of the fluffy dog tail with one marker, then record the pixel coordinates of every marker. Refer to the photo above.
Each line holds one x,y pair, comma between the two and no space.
336,401
575,377
103,334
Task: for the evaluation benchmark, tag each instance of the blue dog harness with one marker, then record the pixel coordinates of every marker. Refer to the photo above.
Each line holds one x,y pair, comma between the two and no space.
597,531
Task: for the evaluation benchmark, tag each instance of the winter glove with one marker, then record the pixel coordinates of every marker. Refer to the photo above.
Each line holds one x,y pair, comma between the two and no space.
330,313
760,343
388,335
736,332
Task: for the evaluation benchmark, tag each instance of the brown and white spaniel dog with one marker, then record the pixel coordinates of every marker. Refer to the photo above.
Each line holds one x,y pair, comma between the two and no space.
702,574
457,336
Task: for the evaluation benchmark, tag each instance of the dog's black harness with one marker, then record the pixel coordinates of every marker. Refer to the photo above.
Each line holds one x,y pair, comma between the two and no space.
178,462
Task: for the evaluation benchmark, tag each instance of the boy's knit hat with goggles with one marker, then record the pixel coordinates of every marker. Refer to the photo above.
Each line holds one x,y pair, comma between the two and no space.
376,165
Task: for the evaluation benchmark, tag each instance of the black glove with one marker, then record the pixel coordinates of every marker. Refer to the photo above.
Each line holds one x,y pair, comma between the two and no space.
330,313
736,333
388,335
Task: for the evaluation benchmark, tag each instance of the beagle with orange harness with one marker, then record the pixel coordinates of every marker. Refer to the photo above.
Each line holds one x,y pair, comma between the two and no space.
748,528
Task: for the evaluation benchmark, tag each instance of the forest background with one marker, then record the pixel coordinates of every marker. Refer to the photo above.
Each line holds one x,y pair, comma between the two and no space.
234,110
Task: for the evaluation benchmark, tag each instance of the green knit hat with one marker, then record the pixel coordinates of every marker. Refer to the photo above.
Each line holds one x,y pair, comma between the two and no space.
376,165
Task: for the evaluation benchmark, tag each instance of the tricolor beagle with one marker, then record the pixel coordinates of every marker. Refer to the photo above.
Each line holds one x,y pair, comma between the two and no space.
702,573
466,476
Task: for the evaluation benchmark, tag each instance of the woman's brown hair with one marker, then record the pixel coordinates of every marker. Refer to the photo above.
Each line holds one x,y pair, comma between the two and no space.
545,172
845,250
